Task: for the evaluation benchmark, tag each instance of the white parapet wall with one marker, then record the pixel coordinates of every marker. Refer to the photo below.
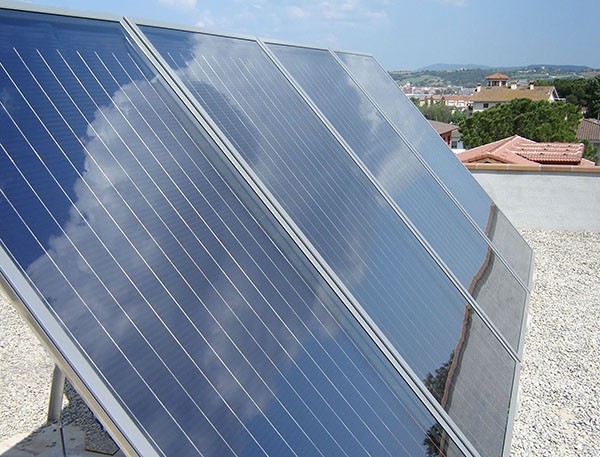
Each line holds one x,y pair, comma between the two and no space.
544,197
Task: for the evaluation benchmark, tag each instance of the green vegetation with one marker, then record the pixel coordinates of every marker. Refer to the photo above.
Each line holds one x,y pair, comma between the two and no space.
591,153
441,113
581,92
538,121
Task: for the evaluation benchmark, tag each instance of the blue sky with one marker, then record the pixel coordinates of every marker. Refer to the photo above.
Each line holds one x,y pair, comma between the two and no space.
402,35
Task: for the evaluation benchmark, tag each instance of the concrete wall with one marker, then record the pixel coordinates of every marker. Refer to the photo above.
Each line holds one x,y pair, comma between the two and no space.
545,197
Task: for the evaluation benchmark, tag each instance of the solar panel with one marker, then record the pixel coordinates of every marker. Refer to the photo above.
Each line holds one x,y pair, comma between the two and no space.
380,149
371,251
406,117
168,292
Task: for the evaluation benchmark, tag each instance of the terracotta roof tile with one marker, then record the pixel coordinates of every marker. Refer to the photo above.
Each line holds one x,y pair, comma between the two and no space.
519,150
570,153
497,75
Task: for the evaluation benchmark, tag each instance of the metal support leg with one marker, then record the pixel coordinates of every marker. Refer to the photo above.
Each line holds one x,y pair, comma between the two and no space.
56,395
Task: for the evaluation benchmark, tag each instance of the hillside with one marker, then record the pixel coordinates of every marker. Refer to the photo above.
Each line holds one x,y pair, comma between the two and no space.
469,77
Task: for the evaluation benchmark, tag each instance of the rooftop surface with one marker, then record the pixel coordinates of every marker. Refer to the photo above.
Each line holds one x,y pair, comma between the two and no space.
505,94
589,129
559,413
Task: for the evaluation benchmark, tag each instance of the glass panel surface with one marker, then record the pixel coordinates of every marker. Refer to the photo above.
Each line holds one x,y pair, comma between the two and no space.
344,216
415,128
387,157
200,316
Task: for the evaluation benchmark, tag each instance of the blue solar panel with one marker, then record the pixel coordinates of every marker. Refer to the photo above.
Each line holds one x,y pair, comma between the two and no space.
370,249
164,285
379,147
413,126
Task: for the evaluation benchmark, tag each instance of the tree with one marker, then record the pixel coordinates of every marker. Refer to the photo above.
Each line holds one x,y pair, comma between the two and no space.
593,91
437,112
458,116
590,152
582,92
536,120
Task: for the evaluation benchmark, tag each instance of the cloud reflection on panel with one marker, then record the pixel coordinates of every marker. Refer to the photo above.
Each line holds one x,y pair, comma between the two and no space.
215,69
164,256
342,214
409,184
185,259
267,136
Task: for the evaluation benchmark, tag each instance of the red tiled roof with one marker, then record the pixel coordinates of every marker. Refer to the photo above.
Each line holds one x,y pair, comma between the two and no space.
589,129
519,150
497,76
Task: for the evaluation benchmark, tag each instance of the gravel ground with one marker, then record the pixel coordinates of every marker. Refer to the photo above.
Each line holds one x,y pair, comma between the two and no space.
25,375
559,413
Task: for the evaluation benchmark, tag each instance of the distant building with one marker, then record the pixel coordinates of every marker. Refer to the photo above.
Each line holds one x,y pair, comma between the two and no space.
429,99
517,150
457,102
444,130
500,90
589,129
497,80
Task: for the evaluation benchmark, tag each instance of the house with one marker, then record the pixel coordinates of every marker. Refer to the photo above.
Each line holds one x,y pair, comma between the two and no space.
516,150
589,129
457,102
444,130
499,90
430,99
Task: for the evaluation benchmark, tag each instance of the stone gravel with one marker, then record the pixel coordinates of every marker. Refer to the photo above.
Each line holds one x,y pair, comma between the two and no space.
25,375
559,413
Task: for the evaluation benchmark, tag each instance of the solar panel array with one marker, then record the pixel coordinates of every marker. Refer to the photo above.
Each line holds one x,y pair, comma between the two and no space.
220,269
405,116
408,182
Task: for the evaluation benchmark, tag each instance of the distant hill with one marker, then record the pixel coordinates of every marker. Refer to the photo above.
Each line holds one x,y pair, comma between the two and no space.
444,75
562,68
451,67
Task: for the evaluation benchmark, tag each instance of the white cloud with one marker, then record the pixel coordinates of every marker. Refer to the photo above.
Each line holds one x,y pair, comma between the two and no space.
258,4
180,4
298,13
454,2
206,20
353,12
337,9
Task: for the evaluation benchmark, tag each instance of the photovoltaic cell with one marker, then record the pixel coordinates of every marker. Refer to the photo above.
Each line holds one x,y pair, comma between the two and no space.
414,127
390,161
351,226
123,226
